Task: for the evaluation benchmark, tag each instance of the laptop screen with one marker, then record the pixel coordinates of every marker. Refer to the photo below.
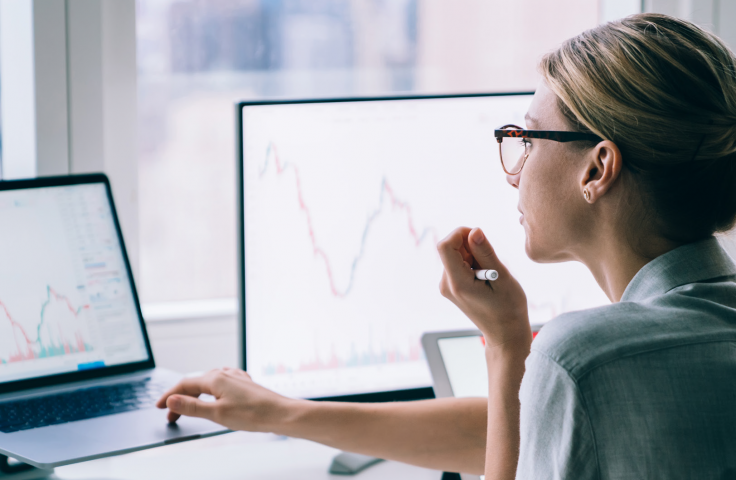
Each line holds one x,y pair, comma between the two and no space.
66,300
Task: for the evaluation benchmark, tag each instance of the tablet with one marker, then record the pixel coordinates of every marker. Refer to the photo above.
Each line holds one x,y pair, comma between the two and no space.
457,362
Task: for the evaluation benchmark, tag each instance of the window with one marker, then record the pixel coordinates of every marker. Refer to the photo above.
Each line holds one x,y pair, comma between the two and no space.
197,58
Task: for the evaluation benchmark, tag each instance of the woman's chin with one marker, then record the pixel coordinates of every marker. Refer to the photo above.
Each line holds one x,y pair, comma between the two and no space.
530,252
539,254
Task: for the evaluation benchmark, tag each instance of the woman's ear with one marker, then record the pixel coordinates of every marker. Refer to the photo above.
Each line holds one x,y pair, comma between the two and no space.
601,170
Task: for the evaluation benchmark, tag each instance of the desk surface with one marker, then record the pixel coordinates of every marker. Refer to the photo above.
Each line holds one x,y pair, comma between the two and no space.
233,456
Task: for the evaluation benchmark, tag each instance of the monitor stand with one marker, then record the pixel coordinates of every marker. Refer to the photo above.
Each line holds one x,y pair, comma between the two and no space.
348,463
12,470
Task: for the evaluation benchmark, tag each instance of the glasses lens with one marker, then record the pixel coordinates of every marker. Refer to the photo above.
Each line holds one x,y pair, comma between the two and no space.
513,151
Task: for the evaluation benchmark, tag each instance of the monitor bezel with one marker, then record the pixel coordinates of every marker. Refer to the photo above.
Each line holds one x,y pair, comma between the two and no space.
384,396
76,376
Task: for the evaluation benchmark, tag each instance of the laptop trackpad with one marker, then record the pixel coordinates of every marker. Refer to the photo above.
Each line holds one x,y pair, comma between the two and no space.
103,436
141,427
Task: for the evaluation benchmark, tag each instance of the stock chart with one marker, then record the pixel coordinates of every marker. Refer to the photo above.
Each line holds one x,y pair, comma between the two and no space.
65,300
344,206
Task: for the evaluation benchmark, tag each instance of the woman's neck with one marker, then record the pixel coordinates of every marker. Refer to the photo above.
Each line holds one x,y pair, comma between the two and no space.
613,261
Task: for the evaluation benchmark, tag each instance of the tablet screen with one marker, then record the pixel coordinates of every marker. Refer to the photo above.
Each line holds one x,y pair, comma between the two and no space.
465,362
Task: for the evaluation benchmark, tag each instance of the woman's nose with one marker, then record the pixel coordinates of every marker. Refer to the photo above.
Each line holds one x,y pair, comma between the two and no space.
513,179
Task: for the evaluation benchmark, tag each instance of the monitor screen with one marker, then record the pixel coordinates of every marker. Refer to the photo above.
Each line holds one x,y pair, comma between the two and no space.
66,301
343,204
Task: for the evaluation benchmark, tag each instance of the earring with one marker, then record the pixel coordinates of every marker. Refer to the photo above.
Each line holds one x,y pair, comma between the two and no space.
586,194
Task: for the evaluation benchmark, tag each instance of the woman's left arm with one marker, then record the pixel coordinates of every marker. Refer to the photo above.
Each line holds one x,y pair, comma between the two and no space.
499,310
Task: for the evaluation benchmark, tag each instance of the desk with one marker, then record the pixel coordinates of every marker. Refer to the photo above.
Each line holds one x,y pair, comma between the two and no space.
234,456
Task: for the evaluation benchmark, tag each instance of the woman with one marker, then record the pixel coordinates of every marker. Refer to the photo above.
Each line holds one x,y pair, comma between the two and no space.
641,388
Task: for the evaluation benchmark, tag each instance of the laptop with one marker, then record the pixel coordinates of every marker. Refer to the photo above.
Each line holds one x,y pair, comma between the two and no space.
77,375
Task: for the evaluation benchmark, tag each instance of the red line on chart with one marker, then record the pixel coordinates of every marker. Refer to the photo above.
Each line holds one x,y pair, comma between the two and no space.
386,191
46,351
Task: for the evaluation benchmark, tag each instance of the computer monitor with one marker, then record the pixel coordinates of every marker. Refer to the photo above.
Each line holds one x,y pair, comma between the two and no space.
342,203
68,307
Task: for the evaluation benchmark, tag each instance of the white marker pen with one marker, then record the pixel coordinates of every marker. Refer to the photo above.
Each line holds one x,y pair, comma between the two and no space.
486,275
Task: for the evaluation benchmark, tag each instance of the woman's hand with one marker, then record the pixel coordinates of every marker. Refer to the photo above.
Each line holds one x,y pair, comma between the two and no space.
447,434
498,308
240,403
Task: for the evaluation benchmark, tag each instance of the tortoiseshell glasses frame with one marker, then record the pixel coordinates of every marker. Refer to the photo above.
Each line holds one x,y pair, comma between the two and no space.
514,131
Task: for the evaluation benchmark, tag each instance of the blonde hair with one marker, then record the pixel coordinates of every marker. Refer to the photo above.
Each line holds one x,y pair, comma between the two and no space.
664,91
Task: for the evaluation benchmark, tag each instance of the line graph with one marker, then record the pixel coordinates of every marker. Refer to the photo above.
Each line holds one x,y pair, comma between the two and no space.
35,348
386,191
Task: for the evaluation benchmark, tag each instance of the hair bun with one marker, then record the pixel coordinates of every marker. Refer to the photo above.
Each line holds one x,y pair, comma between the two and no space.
647,82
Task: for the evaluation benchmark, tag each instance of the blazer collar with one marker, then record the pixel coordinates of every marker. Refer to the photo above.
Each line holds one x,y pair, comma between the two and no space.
690,263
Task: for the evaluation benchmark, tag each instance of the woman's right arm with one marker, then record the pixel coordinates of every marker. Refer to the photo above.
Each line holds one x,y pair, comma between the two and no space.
445,434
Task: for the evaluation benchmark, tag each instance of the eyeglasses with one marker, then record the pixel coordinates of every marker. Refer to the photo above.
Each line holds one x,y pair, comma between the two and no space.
515,150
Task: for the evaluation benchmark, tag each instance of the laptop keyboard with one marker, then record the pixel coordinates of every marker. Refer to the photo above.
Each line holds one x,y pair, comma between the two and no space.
78,405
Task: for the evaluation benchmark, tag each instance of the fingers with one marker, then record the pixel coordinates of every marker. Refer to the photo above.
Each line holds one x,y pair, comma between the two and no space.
192,407
451,250
460,250
499,310
192,387
182,399
482,251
